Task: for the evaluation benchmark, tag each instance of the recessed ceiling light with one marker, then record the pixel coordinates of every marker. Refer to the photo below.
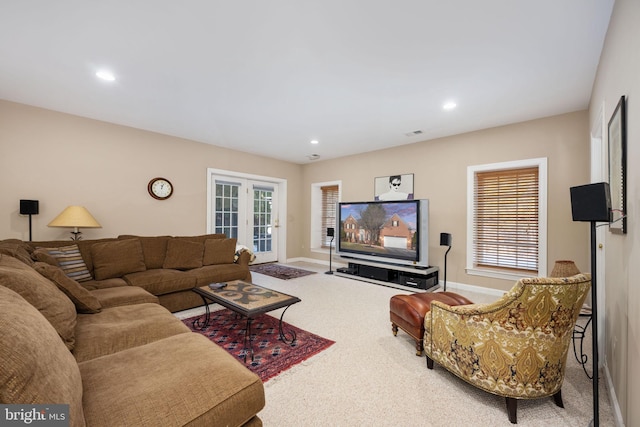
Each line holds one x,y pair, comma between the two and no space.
449,106
106,75
314,141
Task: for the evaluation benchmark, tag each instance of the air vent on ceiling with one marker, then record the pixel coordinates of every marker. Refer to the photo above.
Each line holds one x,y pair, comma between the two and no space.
313,156
414,133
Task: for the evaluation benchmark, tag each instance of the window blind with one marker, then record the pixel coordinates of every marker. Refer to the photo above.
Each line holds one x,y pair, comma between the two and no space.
329,201
506,219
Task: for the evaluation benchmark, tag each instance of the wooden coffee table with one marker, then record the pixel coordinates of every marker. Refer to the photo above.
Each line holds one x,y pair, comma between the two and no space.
249,301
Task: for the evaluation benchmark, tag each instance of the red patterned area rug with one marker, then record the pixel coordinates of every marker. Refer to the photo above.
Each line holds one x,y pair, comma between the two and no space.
271,356
280,271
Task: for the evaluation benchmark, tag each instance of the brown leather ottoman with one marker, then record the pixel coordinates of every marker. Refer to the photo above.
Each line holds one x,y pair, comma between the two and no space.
407,312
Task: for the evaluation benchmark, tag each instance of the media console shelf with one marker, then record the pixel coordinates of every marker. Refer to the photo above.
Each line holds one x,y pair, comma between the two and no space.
391,274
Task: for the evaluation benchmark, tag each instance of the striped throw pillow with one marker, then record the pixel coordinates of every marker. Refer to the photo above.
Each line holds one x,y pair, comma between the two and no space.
71,262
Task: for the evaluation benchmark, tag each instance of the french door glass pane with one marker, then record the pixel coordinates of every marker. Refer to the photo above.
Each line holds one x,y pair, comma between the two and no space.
262,238
226,209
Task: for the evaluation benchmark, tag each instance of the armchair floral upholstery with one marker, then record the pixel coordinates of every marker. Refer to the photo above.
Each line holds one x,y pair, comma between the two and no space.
515,347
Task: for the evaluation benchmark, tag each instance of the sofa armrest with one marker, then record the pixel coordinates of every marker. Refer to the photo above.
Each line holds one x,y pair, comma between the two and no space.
243,257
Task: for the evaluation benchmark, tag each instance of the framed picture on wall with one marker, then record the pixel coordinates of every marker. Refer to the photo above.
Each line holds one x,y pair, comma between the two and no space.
618,168
394,187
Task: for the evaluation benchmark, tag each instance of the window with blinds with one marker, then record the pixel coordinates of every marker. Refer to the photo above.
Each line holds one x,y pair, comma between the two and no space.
330,196
506,219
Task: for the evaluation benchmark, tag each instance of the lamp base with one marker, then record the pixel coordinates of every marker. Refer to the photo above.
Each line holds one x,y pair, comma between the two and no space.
77,235
328,272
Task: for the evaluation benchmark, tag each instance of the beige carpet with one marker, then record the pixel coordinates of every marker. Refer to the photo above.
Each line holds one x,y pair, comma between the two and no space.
371,378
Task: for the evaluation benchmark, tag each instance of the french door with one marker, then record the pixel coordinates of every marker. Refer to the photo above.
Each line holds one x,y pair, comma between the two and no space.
247,210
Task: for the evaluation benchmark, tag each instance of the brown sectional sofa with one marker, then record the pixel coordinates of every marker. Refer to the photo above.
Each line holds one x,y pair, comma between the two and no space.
112,353
165,266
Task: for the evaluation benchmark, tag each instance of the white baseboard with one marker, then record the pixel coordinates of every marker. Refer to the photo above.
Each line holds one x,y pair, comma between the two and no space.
454,286
617,413
316,261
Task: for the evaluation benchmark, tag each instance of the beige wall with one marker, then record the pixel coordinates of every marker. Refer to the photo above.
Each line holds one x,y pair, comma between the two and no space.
618,74
60,160
440,173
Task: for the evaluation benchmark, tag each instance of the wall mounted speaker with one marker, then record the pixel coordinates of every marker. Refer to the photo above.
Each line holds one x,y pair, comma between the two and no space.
29,207
330,232
445,239
591,202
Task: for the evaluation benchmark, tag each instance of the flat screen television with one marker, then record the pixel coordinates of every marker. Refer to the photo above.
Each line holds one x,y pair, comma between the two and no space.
395,232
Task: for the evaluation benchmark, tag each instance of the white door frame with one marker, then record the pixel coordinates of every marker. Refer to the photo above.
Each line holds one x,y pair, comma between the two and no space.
279,219
599,173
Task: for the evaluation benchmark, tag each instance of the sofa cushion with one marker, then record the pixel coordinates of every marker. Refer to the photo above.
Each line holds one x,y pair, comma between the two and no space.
162,281
35,366
201,238
183,254
219,273
119,328
71,262
84,301
85,249
154,249
178,301
43,255
142,386
106,283
219,251
17,249
117,258
54,305
123,295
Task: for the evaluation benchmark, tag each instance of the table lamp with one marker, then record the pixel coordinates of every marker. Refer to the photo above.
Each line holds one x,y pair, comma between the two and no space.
76,217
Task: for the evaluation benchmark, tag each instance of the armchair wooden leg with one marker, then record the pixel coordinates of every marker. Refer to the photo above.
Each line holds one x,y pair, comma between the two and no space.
418,347
429,363
394,329
512,406
512,409
558,399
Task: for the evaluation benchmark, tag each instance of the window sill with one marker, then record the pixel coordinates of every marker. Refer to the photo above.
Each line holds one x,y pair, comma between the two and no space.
498,274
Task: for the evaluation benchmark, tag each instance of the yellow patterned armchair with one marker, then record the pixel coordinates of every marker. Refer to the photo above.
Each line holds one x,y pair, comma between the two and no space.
515,347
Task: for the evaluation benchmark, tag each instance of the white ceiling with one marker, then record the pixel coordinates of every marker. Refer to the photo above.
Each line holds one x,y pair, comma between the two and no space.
267,77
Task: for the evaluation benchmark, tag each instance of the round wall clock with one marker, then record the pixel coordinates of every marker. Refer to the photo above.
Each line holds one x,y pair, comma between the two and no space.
160,188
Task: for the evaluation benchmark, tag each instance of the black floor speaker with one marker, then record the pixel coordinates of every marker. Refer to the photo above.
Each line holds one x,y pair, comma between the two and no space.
591,202
29,207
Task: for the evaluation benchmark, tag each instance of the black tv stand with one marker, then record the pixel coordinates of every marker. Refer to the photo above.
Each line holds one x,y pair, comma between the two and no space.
391,274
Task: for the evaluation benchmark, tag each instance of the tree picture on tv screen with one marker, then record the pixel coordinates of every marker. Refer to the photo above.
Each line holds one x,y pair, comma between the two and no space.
387,229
